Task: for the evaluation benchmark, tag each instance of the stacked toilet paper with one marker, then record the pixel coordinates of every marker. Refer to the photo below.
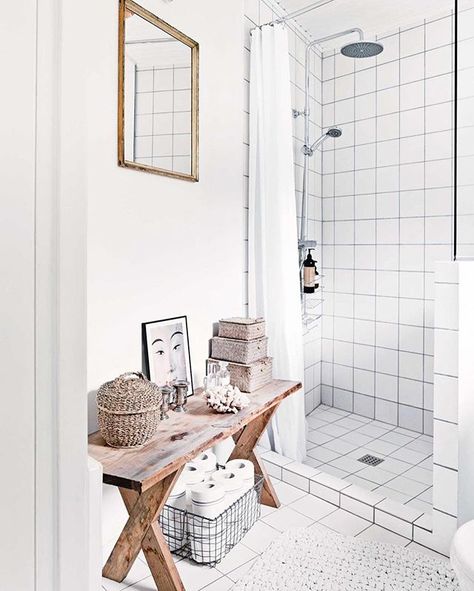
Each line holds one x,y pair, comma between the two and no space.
206,493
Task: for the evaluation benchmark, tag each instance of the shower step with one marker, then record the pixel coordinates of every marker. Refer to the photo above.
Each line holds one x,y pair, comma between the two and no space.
372,506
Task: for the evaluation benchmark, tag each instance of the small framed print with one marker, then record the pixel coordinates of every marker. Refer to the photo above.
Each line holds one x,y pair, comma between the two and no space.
166,352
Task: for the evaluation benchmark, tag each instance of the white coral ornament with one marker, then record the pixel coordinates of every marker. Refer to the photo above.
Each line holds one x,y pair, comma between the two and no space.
225,399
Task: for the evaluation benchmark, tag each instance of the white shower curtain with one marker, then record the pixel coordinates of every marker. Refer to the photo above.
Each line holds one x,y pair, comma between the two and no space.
273,256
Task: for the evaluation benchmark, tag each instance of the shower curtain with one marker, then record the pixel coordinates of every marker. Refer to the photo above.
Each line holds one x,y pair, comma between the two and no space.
274,290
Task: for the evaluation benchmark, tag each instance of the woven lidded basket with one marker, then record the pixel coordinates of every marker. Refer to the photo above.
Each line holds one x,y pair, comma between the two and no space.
128,410
244,329
239,351
249,378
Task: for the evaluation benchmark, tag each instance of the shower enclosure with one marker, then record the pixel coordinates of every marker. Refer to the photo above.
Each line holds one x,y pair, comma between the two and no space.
375,169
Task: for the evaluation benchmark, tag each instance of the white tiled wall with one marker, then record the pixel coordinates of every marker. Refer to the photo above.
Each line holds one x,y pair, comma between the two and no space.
465,199
387,217
258,12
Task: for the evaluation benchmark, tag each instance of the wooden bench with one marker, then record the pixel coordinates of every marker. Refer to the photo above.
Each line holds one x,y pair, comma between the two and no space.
146,475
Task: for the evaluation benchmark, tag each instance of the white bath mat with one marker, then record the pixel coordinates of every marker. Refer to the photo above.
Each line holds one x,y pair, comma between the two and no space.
321,560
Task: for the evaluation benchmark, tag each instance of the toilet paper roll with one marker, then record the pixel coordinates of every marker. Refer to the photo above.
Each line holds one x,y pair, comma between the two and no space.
207,462
208,499
192,474
173,520
230,480
245,468
177,496
233,484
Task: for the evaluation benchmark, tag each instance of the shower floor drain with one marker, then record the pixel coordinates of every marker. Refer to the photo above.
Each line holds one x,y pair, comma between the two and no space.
370,460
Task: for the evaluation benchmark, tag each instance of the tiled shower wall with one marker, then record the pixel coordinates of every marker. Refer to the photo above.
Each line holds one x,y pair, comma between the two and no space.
258,12
465,197
387,211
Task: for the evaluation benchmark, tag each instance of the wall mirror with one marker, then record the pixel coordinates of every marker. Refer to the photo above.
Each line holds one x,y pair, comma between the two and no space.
158,95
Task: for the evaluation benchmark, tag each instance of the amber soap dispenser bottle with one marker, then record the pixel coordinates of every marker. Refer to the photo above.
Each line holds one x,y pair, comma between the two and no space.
309,274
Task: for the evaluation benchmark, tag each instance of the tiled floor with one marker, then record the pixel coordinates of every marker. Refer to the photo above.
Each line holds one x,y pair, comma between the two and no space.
299,509
337,439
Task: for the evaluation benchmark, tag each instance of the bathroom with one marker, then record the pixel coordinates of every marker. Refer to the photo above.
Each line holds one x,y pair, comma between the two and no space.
384,203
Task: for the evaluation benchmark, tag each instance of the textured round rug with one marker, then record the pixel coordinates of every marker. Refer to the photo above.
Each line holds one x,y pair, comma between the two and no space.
322,560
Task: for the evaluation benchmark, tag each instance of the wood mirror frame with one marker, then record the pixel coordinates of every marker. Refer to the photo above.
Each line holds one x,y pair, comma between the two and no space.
126,6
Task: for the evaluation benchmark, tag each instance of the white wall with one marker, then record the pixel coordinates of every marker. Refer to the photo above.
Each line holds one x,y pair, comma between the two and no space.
17,299
161,247
42,234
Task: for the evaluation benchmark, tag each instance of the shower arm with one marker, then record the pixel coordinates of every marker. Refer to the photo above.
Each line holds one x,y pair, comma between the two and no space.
309,47
306,113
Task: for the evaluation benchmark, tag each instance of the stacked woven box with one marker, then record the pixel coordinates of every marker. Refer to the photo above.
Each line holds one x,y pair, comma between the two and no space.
242,342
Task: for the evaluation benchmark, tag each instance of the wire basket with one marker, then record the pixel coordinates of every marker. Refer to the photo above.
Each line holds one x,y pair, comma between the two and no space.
207,541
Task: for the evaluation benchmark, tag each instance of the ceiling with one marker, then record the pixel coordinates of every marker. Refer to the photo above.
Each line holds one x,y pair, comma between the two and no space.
373,16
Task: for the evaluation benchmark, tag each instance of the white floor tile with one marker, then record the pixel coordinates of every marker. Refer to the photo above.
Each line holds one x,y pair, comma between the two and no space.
380,534
312,507
408,455
238,573
341,447
286,518
394,495
421,505
356,438
347,464
396,438
315,423
312,462
366,484
395,466
328,469
194,576
348,423
345,523
371,431
418,548
323,454
420,475
375,474
236,557
421,446
407,486
259,537
287,493
318,438
333,430
222,584
382,448
138,572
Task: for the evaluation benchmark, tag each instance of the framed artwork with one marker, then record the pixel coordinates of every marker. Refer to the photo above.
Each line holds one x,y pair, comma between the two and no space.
166,352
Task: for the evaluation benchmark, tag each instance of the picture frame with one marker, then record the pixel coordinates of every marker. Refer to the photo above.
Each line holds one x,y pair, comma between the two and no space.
165,351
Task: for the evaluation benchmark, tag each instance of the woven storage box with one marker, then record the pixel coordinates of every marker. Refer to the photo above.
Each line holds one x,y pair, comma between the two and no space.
244,329
128,410
239,351
249,378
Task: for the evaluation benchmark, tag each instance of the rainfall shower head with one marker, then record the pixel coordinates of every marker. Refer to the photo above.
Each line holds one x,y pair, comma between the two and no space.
361,49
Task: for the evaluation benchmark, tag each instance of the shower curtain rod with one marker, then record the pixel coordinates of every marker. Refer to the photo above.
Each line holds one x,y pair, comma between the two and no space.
300,12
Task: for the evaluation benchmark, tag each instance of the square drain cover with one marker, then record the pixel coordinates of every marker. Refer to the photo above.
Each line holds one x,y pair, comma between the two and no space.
370,460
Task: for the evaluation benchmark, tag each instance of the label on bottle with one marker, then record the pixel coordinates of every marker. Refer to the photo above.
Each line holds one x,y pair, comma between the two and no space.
309,276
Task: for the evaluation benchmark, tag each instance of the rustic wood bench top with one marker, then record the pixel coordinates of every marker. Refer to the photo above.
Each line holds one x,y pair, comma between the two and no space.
181,438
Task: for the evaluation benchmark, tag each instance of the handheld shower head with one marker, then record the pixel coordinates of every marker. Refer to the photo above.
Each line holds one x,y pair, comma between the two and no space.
333,132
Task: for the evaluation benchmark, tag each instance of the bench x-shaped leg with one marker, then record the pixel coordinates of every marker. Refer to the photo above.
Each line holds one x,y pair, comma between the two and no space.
245,441
142,531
